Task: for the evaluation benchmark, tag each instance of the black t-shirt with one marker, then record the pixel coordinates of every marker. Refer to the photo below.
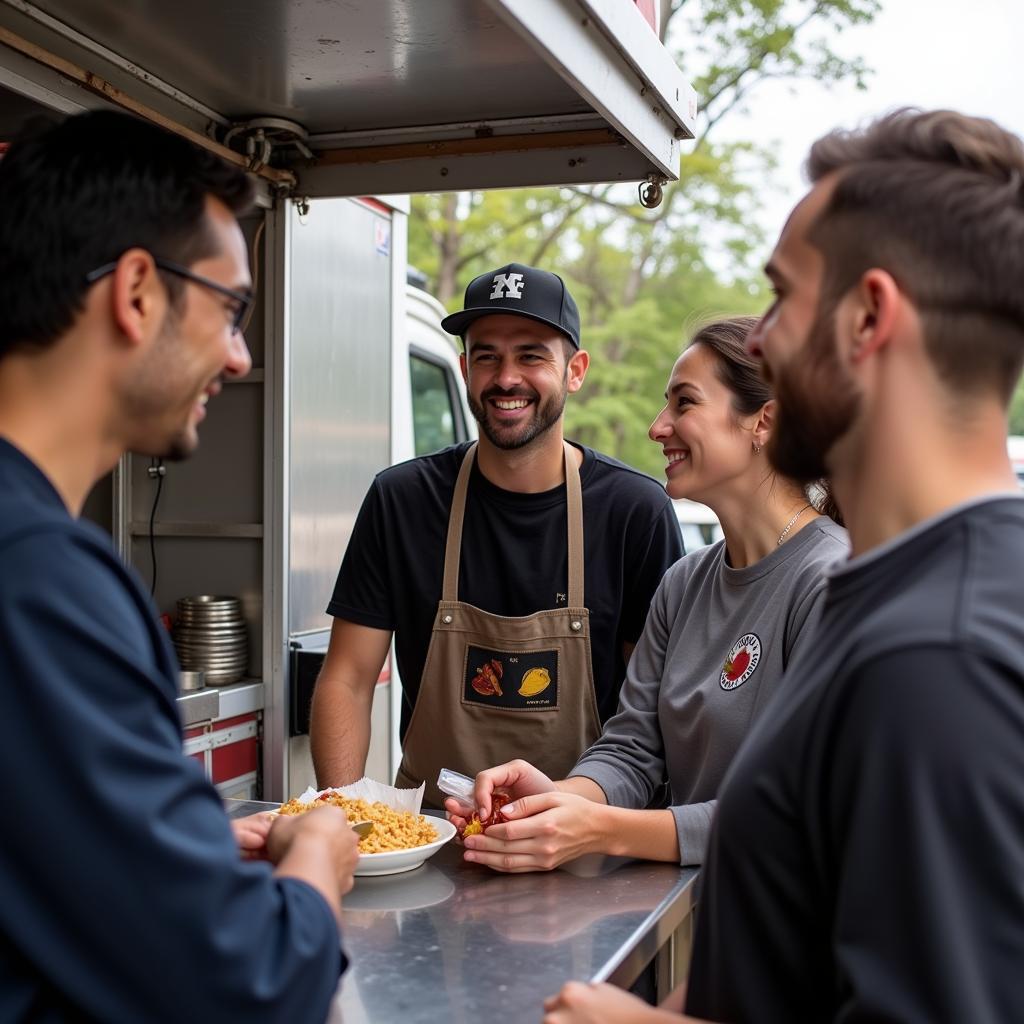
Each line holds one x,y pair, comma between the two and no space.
867,862
514,557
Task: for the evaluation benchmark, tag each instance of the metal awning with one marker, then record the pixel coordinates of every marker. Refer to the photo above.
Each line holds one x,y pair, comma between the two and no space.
373,96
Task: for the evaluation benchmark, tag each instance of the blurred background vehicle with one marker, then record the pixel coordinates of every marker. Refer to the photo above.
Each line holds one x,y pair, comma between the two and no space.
697,523
439,413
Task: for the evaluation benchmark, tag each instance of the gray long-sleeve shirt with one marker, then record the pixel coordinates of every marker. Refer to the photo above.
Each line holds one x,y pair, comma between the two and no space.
714,648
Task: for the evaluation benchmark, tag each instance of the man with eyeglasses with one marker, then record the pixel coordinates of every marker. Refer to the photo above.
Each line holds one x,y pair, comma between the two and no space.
242,301
124,895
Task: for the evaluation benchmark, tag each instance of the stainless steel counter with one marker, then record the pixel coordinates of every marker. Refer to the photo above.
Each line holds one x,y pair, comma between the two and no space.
455,942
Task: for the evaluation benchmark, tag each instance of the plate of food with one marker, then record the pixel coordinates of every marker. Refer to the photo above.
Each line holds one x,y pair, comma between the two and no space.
401,838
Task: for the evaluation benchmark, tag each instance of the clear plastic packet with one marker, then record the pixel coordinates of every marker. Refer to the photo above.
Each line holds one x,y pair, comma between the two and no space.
457,785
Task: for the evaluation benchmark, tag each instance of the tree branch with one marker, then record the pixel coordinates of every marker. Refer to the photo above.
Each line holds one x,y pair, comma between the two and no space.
754,66
621,208
556,229
462,261
636,274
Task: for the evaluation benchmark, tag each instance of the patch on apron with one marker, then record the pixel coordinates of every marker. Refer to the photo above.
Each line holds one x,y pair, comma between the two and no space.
511,680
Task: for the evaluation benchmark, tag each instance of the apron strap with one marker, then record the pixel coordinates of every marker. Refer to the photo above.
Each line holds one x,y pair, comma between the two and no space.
453,548
574,513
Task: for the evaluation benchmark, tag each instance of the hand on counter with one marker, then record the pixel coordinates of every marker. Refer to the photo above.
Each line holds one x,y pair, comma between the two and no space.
593,1003
251,834
544,830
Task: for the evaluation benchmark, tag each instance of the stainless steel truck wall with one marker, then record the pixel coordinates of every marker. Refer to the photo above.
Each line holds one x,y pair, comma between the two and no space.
344,273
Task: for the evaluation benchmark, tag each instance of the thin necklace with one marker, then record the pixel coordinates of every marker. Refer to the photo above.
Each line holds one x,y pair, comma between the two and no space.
789,525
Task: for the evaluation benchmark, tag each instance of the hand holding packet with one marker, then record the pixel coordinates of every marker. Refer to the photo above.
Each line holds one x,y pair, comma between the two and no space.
461,788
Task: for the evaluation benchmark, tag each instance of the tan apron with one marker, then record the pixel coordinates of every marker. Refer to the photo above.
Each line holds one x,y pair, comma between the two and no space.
496,687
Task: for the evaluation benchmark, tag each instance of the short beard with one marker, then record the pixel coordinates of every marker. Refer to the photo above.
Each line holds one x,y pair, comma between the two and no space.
546,414
817,404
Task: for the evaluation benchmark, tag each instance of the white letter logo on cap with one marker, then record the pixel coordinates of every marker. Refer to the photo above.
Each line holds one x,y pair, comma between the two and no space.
507,285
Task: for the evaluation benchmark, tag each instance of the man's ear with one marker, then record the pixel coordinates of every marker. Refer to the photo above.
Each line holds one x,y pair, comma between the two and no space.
875,306
462,367
138,299
576,370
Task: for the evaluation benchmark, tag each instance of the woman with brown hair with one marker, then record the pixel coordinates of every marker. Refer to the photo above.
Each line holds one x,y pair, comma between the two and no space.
721,630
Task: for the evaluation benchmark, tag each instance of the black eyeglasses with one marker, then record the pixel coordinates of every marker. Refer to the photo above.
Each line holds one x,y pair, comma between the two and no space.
244,299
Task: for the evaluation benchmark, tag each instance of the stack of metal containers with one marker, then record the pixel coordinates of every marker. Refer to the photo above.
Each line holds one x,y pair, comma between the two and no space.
210,634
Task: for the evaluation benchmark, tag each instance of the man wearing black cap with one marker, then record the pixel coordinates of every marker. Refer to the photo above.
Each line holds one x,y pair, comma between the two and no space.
515,574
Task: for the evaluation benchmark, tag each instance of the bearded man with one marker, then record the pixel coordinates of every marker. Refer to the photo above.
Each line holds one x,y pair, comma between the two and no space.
885,785
867,862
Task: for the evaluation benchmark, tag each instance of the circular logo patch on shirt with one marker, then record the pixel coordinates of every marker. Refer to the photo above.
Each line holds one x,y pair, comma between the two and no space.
742,660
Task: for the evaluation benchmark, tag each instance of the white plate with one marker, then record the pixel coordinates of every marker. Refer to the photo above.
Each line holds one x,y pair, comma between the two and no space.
393,861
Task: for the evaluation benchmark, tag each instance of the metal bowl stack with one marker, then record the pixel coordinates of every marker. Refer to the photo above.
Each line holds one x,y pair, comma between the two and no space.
210,634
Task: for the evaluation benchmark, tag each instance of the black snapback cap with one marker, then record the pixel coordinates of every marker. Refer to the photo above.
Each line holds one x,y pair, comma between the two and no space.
523,291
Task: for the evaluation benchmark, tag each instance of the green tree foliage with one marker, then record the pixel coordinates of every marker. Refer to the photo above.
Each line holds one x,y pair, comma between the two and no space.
739,43
645,278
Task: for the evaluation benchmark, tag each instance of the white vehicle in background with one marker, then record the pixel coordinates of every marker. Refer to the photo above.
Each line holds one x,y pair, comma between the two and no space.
435,397
697,523
1015,449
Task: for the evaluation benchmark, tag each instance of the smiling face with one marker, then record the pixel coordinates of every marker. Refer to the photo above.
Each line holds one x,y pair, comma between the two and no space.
194,351
707,444
797,344
518,374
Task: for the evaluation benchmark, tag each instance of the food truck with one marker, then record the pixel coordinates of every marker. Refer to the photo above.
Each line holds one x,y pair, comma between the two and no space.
340,110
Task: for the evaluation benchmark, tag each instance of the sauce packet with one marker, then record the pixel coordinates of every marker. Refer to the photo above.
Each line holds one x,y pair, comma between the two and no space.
457,785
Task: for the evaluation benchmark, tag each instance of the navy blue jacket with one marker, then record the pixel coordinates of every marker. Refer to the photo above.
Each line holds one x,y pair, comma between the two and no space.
122,895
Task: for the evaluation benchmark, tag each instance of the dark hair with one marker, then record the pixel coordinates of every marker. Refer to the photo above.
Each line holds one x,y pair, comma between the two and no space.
937,200
741,374
738,371
77,194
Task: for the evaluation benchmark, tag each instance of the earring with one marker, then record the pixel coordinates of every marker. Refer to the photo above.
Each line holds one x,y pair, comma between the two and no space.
756,447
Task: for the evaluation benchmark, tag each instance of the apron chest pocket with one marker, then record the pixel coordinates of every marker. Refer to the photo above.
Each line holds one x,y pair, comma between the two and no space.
510,680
